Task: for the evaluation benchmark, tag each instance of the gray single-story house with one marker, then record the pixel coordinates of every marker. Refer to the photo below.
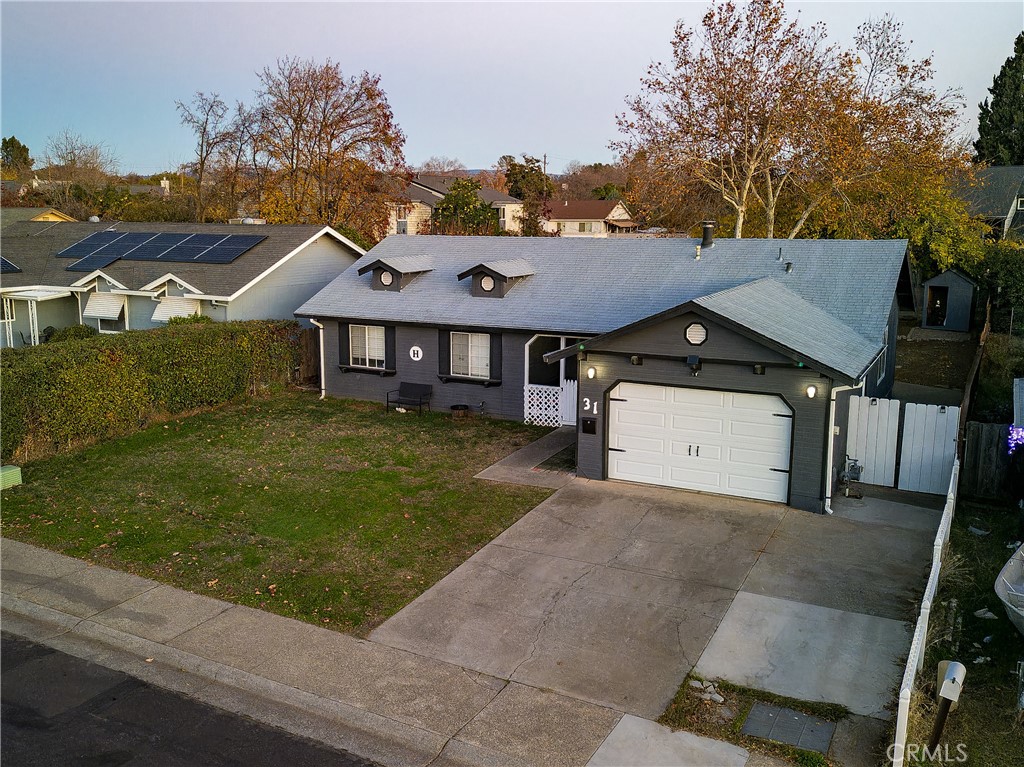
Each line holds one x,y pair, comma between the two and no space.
121,276
949,301
708,365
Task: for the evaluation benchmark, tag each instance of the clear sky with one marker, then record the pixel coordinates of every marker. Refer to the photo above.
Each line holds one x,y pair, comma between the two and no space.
467,80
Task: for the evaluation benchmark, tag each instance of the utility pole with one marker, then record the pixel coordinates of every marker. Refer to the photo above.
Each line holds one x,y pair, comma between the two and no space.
545,163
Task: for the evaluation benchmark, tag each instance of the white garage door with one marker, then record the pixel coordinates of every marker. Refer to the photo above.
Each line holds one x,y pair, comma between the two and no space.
718,442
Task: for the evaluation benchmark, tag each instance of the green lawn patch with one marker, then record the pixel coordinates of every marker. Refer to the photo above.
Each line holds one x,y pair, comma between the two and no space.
688,712
986,720
331,511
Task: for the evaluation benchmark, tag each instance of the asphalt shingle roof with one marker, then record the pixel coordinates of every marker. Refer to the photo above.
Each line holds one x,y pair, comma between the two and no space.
767,303
590,286
33,246
405,264
577,210
515,267
996,191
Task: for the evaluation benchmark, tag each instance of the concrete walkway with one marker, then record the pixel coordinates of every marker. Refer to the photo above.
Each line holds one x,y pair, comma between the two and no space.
522,467
387,705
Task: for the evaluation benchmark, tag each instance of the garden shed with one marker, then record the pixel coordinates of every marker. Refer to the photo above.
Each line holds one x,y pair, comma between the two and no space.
949,301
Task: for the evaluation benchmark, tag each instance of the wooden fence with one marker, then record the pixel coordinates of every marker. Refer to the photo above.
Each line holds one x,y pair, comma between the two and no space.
986,466
309,357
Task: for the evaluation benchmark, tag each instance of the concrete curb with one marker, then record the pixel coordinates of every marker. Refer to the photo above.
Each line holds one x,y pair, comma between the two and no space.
328,721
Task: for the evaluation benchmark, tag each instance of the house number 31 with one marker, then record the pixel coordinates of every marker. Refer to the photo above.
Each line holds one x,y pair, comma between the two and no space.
589,405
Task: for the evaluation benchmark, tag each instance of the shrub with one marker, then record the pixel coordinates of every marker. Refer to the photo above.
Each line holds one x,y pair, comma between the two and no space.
59,396
192,319
73,333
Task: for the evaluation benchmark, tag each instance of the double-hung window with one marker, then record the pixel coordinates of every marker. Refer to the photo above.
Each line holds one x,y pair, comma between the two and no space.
366,346
471,355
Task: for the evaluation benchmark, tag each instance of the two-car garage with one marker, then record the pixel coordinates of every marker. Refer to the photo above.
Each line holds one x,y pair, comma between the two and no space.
725,442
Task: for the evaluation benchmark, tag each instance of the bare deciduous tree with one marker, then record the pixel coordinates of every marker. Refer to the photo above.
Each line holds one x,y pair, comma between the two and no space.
207,116
444,166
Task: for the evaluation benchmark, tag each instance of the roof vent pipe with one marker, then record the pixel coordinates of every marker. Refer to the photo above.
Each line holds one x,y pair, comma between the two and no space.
709,234
789,267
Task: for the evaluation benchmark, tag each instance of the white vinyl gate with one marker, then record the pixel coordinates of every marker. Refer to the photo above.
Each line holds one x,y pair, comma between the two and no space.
871,438
928,434
929,447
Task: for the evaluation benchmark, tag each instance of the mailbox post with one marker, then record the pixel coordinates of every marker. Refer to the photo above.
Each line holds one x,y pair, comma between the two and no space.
949,693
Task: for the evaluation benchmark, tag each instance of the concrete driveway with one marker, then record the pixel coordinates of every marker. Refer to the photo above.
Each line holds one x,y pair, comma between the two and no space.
611,593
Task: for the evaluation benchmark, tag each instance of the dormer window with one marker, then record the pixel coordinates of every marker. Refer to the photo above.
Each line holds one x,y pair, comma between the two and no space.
496,278
395,273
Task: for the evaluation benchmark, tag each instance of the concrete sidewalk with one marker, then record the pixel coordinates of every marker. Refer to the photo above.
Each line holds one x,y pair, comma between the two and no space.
385,704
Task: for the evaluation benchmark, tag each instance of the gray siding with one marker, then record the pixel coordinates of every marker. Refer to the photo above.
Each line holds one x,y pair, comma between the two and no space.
503,401
669,338
285,289
882,387
140,313
810,416
960,301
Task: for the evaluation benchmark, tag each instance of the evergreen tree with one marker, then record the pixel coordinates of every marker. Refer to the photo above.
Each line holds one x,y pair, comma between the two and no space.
1001,118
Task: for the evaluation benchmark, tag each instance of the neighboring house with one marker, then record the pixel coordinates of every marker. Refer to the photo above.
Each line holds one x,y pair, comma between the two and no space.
949,301
10,216
998,199
134,276
425,191
713,373
588,218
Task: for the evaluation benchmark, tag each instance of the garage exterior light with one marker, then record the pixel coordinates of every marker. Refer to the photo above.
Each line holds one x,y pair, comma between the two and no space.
591,372
811,391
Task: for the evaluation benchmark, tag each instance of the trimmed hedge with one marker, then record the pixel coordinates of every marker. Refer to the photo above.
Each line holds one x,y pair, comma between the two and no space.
56,397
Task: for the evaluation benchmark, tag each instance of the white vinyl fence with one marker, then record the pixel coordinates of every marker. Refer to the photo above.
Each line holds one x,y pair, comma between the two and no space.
915,659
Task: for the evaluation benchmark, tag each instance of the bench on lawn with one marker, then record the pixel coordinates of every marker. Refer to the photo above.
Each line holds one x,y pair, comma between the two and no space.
410,394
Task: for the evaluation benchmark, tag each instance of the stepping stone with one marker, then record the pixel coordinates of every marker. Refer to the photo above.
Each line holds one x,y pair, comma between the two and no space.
784,725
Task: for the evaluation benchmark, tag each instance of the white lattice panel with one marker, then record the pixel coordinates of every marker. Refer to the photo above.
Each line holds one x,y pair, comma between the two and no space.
543,405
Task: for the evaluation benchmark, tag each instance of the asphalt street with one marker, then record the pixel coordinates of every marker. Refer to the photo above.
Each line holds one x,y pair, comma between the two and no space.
61,710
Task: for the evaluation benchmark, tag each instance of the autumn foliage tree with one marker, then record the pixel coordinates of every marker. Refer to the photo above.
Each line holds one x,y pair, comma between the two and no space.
315,146
329,143
791,133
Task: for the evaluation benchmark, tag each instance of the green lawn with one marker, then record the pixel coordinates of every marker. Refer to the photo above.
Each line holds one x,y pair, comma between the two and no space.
331,512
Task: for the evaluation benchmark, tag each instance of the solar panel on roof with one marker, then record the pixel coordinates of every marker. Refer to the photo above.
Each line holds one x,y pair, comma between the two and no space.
156,246
7,267
244,240
184,253
124,245
146,252
205,240
221,254
91,263
103,248
90,244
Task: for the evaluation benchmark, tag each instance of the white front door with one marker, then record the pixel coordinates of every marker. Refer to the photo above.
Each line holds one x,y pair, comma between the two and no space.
698,439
